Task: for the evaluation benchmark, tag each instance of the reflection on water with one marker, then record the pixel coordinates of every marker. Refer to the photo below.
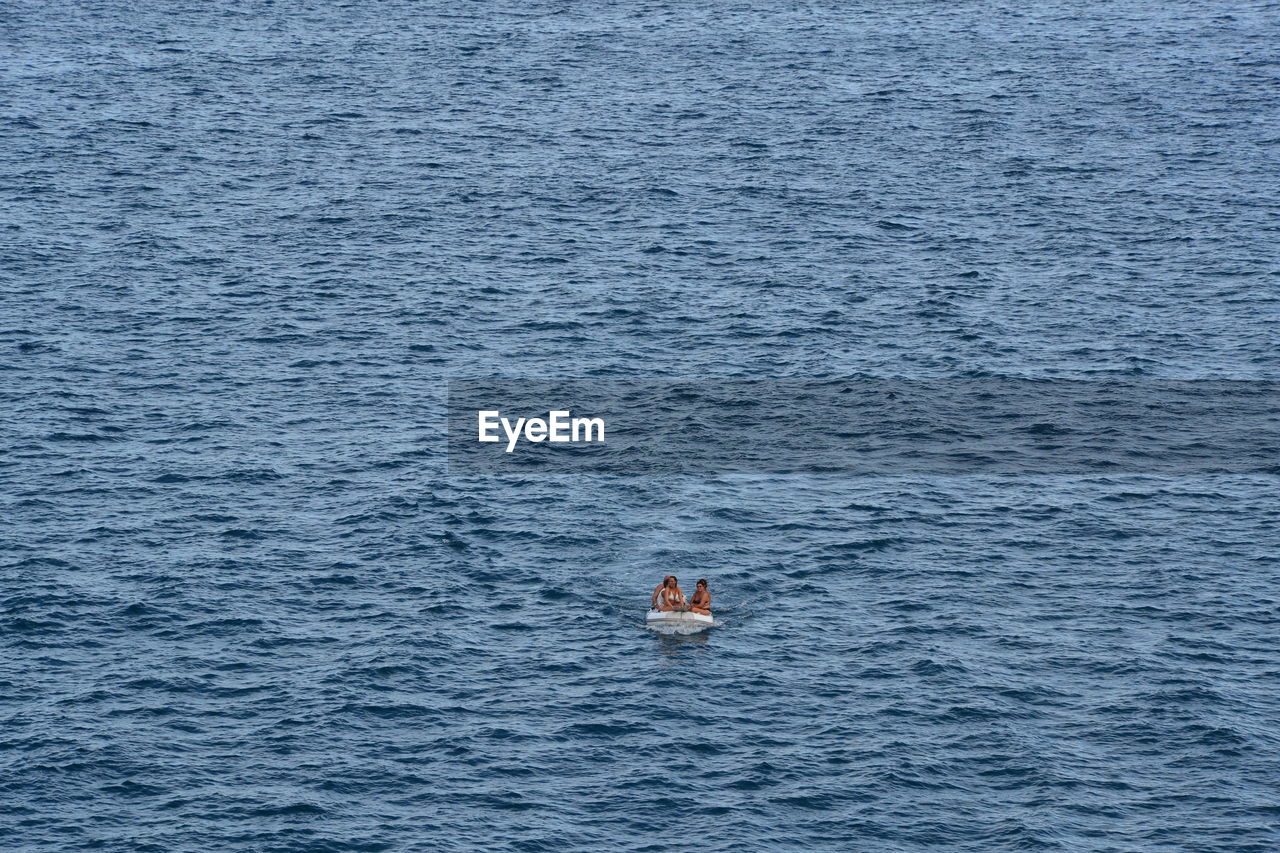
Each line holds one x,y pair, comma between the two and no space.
672,642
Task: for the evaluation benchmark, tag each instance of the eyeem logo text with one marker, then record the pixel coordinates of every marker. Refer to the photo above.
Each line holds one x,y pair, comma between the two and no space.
558,428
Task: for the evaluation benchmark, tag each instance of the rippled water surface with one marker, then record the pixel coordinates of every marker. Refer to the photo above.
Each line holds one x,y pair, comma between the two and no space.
244,606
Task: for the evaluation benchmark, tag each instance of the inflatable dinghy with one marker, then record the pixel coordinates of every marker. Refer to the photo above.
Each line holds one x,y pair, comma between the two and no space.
677,618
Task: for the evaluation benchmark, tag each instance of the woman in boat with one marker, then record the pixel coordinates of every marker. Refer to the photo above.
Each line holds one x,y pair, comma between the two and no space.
668,595
701,602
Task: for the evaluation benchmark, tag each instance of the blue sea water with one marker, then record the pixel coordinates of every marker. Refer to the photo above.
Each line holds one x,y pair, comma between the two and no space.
244,605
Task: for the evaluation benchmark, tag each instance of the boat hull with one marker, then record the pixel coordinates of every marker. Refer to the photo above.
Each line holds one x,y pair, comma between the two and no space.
682,618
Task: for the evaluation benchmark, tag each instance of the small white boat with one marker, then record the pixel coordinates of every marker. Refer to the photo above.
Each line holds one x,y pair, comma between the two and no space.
677,618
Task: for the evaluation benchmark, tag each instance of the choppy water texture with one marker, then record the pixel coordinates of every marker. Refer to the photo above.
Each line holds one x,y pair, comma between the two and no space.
246,609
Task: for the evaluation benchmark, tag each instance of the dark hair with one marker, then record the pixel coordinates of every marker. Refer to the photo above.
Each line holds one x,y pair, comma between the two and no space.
701,582
671,578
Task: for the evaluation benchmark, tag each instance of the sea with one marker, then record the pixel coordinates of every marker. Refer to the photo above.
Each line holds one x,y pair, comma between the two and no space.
247,606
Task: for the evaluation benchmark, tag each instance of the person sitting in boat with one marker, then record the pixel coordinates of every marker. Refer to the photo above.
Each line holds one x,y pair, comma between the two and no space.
657,590
701,601
668,595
